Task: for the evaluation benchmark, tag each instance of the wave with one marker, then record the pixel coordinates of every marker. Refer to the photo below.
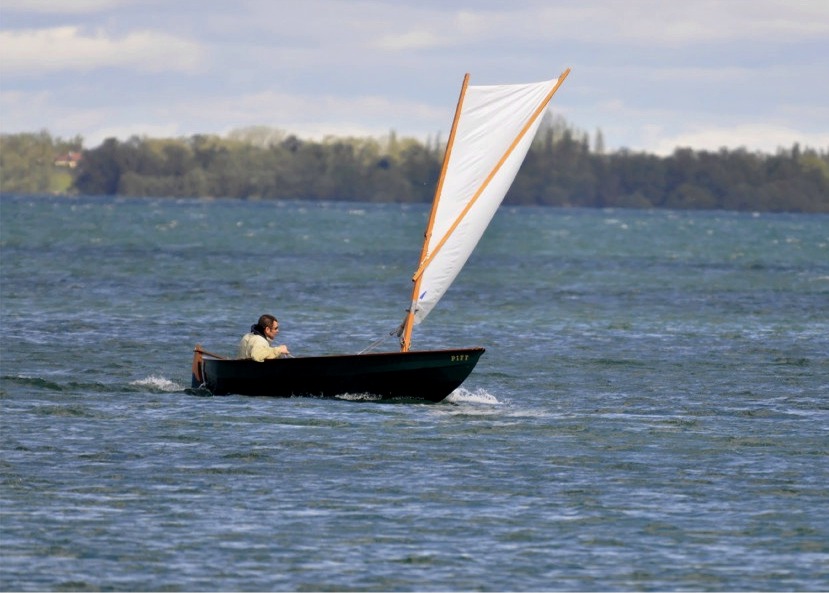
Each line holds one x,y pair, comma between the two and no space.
39,383
158,384
459,396
480,396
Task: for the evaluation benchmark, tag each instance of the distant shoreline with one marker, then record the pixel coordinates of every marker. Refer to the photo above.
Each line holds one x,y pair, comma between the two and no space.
104,198
561,170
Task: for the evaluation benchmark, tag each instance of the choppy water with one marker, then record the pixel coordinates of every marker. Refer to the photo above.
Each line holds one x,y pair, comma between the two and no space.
652,411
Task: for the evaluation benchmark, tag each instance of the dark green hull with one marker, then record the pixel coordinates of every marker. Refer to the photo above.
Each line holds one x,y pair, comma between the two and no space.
429,375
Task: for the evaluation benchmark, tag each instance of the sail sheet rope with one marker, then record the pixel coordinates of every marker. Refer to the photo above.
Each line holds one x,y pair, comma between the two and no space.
398,331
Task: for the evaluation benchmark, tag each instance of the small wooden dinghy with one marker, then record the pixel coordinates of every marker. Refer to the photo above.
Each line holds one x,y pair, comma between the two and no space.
493,129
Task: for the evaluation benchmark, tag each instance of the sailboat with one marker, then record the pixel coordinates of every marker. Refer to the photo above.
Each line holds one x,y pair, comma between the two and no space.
492,131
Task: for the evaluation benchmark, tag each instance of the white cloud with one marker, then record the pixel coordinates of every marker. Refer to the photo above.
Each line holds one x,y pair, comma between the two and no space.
609,23
416,39
41,51
18,111
426,30
308,116
651,75
126,131
658,23
761,137
61,7
319,116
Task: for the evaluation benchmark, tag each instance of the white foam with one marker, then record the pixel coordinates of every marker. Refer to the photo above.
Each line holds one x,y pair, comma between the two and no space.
158,384
359,397
480,396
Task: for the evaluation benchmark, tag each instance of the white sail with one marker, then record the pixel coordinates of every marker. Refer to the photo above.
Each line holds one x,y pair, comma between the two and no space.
495,127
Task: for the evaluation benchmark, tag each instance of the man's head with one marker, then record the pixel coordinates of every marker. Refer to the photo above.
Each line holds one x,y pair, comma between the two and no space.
269,326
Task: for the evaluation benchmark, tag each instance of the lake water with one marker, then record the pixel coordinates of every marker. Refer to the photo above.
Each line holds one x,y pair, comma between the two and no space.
652,411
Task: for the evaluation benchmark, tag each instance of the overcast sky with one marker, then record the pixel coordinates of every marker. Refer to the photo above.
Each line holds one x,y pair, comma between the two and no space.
652,75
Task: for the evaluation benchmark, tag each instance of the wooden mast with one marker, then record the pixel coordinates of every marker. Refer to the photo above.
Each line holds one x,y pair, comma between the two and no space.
408,324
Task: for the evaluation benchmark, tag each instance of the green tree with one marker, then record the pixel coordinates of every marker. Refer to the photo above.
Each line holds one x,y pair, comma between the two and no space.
28,162
560,170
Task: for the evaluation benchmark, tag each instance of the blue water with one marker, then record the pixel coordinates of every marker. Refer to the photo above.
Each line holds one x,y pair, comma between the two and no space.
652,412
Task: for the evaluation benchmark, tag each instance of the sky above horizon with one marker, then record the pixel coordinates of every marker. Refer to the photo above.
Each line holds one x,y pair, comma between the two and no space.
651,75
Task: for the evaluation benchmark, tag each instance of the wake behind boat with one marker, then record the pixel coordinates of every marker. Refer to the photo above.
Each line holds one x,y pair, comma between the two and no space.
493,129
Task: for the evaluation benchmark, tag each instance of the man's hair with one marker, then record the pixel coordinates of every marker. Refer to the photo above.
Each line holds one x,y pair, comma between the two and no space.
266,321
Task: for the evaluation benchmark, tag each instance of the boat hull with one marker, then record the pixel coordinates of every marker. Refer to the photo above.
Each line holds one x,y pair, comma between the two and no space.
429,375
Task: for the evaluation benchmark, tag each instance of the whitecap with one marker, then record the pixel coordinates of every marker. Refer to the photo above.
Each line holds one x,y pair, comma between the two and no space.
157,384
480,396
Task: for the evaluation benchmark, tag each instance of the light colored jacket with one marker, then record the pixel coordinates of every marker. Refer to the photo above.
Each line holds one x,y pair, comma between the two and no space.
256,347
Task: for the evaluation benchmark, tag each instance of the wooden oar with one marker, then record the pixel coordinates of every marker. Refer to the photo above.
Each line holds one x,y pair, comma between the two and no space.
210,354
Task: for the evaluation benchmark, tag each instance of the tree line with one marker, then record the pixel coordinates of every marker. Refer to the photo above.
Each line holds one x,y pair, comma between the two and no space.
562,168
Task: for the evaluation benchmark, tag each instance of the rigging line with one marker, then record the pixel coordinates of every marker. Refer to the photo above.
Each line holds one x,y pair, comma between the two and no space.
372,346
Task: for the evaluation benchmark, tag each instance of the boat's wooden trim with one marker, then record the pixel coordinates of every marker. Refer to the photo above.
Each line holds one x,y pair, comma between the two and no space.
198,367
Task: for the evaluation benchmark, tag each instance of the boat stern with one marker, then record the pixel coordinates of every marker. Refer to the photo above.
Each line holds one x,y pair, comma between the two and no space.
197,377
